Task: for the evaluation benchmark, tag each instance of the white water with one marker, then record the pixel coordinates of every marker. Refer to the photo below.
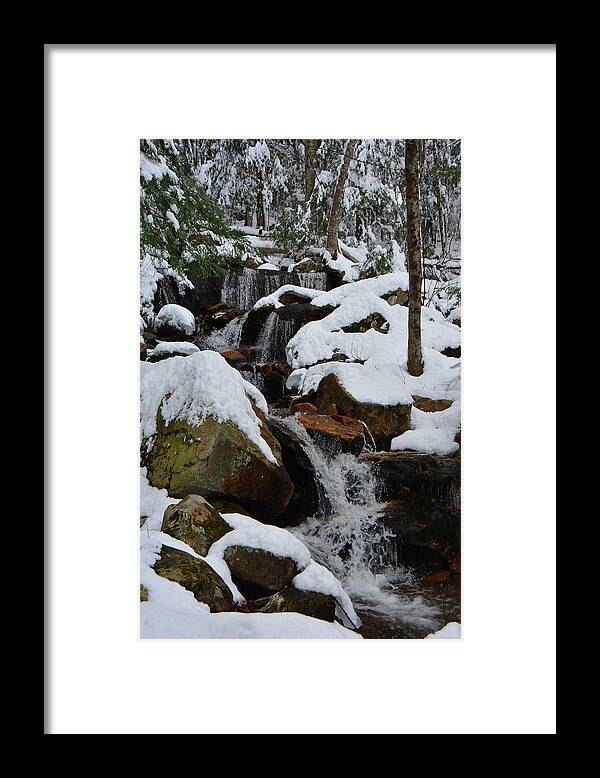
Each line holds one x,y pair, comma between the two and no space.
349,538
274,337
242,288
226,338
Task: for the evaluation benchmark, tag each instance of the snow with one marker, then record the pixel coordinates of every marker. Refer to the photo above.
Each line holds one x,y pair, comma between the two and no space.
349,270
364,384
316,578
379,286
195,387
176,316
254,534
273,299
150,169
151,270
451,630
181,347
173,219
323,339
431,433
268,266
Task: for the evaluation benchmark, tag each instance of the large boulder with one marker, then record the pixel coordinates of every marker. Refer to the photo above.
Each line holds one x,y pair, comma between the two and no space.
384,421
196,576
204,431
292,600
195,522
260,568
216,458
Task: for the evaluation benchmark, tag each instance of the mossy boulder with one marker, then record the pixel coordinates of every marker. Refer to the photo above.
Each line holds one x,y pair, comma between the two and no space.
384,421
260,568
292,600
196,576
195,522
217,459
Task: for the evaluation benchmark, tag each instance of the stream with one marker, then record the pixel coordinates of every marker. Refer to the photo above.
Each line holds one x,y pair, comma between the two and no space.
346,534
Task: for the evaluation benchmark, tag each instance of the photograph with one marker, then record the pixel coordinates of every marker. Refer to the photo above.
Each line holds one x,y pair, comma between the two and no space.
300,389
300,404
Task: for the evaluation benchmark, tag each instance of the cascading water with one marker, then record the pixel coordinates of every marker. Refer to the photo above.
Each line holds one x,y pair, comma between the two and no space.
243,288
274,337
348,537
226,338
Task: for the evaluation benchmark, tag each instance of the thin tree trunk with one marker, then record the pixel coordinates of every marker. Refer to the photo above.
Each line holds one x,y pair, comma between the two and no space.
336,208
413,246
310,152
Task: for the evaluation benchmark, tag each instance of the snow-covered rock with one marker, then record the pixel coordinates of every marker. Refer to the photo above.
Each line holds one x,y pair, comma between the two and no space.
203,432
431,433
173,320
167,349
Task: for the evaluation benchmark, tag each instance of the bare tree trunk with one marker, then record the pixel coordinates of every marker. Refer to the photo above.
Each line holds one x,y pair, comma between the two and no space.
336,208
310,152
413,247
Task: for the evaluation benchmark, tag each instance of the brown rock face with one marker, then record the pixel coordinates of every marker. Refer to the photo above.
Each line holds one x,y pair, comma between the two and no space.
259,567
304,408
236,357
384,421
347,432
430,406
195,522
292,600
196,576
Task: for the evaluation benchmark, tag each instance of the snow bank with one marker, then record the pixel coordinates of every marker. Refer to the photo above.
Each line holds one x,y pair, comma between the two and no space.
321,340
196,387
451,630
268,266
431,433
176,316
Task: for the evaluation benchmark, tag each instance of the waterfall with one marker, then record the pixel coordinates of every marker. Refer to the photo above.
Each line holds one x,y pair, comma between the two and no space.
224,339
313,281
243,288
348,537
274,337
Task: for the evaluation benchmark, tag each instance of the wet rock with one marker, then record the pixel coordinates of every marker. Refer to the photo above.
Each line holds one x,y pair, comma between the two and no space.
195,522
259,567
419,472
384,421
307,494
340,433
452,352
236,357
143,351
216,459
221,314
292,600
196,576
303,407
427,531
